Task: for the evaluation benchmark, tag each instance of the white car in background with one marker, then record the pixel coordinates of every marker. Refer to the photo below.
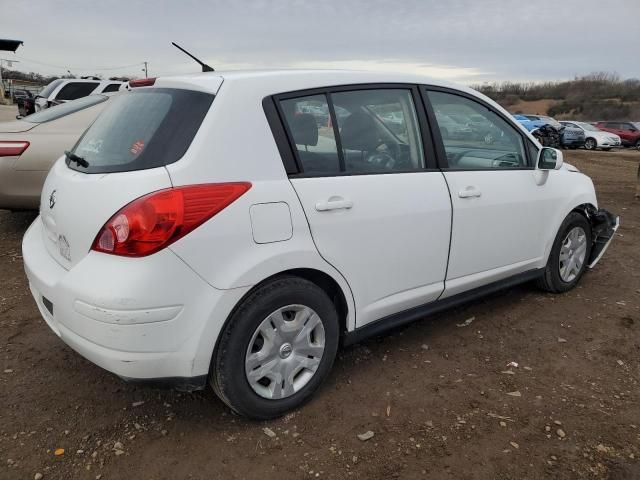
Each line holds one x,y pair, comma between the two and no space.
594,137
194,236
65,89
31,145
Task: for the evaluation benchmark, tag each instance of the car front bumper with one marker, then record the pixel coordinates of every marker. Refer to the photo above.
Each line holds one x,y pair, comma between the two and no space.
150,318
609,143
604,225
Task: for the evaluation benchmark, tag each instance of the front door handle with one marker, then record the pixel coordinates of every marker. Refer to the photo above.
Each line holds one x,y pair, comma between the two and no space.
469,192
334,203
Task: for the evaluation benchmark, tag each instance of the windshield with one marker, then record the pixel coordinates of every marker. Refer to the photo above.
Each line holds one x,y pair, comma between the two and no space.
46,91
145,128
636,124
65,109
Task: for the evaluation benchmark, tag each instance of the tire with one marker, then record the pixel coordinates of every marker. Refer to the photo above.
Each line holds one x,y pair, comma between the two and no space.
590,144
638,144
553,279
242,342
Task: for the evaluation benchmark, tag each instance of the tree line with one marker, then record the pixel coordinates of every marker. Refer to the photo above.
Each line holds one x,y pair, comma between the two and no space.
597,96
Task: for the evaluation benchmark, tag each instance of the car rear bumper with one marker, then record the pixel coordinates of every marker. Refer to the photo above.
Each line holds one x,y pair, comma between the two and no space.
143,319
19,189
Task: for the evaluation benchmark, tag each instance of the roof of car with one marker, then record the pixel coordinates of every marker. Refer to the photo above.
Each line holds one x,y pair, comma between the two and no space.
304,79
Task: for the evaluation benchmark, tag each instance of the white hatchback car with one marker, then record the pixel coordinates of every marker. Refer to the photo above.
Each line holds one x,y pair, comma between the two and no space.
210,228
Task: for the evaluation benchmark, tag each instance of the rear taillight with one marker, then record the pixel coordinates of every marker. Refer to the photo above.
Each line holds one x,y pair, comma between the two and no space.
12,149
142,82
153,222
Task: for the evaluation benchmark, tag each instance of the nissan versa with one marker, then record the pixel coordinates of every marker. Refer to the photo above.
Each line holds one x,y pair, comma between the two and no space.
232,229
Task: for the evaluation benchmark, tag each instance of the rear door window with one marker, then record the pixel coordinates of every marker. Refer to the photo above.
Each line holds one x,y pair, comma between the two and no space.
355,132
142,129
310,129
74,90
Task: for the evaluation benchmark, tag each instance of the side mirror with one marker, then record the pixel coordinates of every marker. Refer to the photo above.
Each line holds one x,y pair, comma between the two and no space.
550,159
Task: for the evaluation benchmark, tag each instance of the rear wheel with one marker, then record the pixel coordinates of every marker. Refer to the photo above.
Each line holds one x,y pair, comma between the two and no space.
590,144
276,349
569,255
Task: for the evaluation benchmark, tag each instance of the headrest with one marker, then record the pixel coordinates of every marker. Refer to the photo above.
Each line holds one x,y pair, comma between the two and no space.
304,129
359,132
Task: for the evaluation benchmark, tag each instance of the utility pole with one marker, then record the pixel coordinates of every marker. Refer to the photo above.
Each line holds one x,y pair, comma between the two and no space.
9,63
146,73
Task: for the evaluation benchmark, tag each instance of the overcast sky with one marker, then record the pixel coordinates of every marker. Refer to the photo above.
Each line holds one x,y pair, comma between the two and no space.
462,40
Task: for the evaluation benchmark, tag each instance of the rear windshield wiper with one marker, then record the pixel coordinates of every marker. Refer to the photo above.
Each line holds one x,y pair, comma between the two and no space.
77,159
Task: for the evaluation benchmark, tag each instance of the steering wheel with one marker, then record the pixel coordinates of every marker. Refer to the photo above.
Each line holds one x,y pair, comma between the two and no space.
381,161
388,159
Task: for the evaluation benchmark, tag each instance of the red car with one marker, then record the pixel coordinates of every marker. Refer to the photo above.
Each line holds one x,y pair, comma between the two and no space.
629,132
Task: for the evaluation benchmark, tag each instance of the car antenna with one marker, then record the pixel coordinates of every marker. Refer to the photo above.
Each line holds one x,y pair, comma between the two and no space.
205,67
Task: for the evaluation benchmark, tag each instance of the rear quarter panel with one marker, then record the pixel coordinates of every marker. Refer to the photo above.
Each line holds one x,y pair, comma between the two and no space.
235,143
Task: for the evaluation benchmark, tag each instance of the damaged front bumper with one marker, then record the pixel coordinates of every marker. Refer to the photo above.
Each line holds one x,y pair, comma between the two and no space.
604,225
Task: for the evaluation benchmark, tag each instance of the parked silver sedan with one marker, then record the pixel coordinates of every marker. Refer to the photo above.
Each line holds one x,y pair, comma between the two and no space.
30,146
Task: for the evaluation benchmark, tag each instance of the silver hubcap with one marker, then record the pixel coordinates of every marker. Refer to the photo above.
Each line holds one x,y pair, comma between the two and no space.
284,352
572,254
590,144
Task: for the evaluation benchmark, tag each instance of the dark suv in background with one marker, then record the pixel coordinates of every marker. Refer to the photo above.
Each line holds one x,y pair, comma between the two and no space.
629,132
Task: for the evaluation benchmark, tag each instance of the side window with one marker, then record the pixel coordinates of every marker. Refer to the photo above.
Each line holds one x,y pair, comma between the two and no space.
379,131
74,90
310,130
474,137
112,87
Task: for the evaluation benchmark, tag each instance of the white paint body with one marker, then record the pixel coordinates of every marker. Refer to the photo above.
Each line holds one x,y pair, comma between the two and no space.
603,139
406,240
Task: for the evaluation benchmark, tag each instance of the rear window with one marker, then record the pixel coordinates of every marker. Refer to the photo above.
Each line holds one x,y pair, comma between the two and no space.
142,129
74,90
65,109
46,91
112,87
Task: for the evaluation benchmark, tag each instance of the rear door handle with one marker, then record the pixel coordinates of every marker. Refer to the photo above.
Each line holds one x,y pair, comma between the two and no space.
469,192
334,203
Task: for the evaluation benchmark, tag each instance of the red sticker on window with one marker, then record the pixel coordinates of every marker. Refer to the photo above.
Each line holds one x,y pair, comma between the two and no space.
137,147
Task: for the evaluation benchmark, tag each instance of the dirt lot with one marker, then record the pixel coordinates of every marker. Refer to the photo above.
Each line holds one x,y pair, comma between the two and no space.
440,397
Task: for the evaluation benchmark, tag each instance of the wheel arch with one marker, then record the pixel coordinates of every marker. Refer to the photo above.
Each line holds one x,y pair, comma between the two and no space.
341,299
595,140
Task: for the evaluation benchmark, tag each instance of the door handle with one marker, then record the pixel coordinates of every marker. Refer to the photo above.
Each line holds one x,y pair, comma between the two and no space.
469,192
334,203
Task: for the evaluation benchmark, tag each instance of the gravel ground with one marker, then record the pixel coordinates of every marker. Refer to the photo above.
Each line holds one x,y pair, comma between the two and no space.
440,397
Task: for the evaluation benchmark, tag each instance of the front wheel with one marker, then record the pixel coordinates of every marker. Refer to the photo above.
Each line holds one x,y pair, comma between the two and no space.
590,144
569,255
277,348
